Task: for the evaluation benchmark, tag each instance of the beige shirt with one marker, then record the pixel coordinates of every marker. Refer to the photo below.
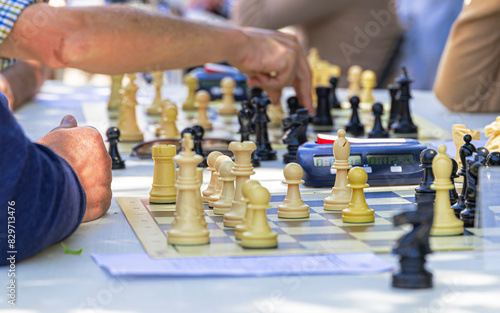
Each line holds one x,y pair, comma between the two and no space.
468,74
345,32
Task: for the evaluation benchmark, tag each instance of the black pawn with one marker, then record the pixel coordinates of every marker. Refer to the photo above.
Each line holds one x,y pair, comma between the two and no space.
413,247
466,150
355,127
295,134
264,150
245,121
113,135
394,112
404,124
493,159
323,115
293,105
424,191
453,192
378,130
199,132
334,101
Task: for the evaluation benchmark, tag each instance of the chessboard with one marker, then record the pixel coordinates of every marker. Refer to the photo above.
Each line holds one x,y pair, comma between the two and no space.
323,232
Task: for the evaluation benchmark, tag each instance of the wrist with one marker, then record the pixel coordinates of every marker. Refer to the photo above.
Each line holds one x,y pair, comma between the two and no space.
239,41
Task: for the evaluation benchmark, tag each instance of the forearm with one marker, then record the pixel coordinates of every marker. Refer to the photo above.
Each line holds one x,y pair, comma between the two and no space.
22,81
117,39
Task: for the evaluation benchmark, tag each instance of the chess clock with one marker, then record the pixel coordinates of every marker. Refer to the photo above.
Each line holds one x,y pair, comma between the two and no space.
388,162
211,74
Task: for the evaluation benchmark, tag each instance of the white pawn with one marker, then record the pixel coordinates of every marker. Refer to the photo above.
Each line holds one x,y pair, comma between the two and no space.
340,196
202,99
191,83
223,205
354,77
245,224
218,185
168,121
157,104
293,206
227,106
368,82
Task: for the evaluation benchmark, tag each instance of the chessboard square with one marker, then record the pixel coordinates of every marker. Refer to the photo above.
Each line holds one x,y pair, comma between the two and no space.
272,210
217,233
336,246
279,231
160,214
393,207
367,228
217,240
379,235
307,223
312,230
373,194
405,193
278,198
164,220
282,238
315,203
387,214
160,207
212,225
229,231
445,243
386,201
312,217
217,218
322,237
282,245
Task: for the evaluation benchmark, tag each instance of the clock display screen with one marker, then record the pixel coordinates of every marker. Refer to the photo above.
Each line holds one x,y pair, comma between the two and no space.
390,159
354,160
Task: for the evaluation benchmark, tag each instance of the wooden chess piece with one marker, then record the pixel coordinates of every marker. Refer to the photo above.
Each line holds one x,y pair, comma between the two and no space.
245,224
394,111
191,83
492,131
368,82
113,135
163,188
213,175
355,127
227,106
378,130
453,192
334,101
424,190
275,112
466,150
259,235
293,206
219,183
127,120
223,205
468,215
458,132
323,115
242,169
404,125
354,78
189,228
115,98
199,201
358,210
168,121
157,105
202,98
340,196
445,222
493,159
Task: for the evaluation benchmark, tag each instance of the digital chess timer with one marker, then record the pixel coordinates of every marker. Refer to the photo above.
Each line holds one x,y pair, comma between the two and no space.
388,162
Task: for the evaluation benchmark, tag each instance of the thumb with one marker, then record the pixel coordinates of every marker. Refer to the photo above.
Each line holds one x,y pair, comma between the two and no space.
69,121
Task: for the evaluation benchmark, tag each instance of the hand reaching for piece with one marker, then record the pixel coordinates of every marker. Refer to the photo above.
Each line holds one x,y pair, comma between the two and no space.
84,149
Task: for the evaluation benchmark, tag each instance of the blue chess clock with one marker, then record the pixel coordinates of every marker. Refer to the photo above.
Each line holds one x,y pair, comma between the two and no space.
211,74
388,162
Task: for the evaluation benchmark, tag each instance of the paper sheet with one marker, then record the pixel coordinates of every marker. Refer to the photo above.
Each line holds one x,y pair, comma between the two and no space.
141,264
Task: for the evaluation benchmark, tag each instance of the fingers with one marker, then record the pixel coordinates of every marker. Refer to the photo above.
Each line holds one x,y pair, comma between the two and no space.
69,121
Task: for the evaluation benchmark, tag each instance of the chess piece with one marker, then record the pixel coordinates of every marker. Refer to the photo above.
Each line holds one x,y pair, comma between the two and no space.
227,106
378,130
368,82
394,111
469,213
163,188
453,192
259,235
313,59
168,128
218,184
264,150
405,124
223,205
340,196
127,120
355,127
458,132
113,134
245,120
242,169
445,222
413,247
493,159
213,175
275,113
492,131
202,98
293,206
115,98
334,101
323,116
293,105
191,83
466,150
424,190
294,134
354,78
199,132
189,228
245,224
358,210
157,105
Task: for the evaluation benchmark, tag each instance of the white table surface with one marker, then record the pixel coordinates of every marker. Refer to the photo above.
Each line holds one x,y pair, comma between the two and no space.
56,282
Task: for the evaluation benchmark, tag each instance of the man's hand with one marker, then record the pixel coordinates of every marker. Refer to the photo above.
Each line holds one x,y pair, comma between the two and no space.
272,60
83,148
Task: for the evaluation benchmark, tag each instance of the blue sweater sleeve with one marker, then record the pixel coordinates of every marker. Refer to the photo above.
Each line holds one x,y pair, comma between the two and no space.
38,190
